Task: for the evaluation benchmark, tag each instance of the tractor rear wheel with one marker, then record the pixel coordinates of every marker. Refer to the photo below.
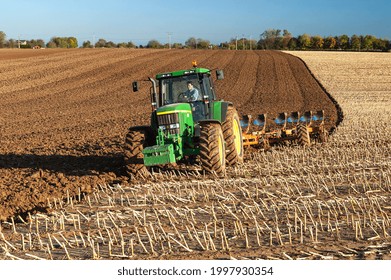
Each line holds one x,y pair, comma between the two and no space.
303,136
135,141
212,148
233,137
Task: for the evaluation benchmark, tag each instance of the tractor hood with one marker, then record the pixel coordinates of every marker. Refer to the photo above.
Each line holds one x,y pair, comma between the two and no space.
175,119
174,108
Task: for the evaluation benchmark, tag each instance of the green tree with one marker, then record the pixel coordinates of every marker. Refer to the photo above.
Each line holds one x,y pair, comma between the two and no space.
51,44
367,42
381,44
343,42
2,39
12,43
110,44
355,43
101,43
202,43
177,45
87,44
130,45
191,43
154,44
304,41
292,44
286,37
271,39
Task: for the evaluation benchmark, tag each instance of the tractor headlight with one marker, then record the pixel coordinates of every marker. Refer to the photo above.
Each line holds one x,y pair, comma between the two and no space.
174,125
162,127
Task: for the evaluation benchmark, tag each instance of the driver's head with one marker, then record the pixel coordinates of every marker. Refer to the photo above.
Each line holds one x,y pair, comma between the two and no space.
190,85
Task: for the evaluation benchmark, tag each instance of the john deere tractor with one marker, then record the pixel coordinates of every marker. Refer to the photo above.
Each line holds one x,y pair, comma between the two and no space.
184,128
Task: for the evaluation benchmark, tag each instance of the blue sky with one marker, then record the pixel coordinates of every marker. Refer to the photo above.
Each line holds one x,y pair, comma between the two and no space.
214,20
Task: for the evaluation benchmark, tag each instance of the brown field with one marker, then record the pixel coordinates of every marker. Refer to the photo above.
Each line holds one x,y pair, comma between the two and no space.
63,194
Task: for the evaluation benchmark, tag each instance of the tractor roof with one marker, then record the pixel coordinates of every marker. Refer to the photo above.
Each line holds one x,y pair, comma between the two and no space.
179,73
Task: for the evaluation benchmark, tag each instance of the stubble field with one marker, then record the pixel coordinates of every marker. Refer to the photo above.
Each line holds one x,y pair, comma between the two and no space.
63,194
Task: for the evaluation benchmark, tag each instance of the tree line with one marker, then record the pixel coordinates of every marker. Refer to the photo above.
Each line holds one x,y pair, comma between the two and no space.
270,39
283,40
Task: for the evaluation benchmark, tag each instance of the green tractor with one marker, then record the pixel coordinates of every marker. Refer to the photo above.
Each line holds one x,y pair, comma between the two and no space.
188,124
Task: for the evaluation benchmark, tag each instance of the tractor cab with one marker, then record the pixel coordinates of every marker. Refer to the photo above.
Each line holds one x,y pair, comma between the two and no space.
192,86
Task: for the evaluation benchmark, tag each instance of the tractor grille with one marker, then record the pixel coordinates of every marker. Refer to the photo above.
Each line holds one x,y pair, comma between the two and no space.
169,123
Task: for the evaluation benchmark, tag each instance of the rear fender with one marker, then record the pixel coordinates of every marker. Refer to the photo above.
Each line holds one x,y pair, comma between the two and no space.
220,109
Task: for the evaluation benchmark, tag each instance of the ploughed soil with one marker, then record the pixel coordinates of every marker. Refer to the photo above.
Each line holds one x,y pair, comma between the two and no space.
64,114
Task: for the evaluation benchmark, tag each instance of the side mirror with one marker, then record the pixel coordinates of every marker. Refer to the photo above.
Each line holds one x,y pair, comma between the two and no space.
219,74
135,86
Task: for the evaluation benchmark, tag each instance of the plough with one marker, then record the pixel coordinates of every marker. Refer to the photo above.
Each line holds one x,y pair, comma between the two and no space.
294,127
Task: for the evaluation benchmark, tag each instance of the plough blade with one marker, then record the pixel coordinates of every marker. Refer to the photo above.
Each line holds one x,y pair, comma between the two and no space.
260,122
293,119
281,119
306,117
245,123
318,116
263,131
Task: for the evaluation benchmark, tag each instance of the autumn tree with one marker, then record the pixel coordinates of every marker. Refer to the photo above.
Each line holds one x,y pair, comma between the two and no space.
317,42
62,42
329,43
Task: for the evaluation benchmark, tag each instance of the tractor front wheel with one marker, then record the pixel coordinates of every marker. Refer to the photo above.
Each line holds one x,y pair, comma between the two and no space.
135,141
212,148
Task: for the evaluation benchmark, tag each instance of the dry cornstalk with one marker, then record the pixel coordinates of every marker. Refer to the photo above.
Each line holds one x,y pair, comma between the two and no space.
246,239
82,239
180,244
198,239
34,257
131,247
205,240
49,252
150,240
8,243
140,241
30,242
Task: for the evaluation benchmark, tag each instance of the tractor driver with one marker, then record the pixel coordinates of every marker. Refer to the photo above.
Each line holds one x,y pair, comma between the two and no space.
192,93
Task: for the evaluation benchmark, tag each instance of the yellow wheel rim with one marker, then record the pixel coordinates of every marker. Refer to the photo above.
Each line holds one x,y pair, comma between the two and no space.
237,136
221,155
